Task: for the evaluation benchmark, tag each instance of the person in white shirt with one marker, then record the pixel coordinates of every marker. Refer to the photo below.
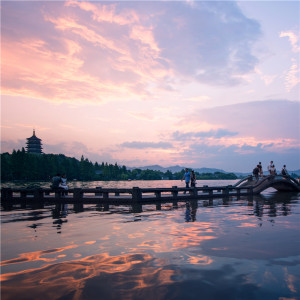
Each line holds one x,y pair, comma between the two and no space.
63,184
271,168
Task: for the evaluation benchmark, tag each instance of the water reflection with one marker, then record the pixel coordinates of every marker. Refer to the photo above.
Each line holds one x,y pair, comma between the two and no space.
200,249
33,256
141,276
272,206
191,211
104,276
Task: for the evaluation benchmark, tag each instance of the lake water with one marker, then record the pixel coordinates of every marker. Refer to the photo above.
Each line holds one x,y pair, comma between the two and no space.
247,248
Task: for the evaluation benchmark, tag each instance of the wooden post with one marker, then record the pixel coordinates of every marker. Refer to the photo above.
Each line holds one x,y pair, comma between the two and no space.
6,194
175,191
98,193
250,190
77,194
211,193
38,194
195,191
23,194
136,194
225,191
238,193
157,194
105,195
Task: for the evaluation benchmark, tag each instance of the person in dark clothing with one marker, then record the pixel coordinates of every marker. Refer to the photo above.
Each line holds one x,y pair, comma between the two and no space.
193,179
256,172
284,171
260,169
56,180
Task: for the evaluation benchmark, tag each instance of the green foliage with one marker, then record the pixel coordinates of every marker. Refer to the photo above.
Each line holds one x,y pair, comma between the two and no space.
216,175
26,166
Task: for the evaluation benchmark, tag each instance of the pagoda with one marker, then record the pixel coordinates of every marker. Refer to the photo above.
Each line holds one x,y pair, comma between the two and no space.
34,144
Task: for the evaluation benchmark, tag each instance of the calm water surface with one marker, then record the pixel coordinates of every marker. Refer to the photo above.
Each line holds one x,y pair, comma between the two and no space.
247,248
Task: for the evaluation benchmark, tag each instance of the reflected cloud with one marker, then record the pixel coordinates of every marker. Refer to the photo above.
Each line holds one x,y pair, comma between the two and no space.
111,275
90,242
247,225
200,260
33,256
290,281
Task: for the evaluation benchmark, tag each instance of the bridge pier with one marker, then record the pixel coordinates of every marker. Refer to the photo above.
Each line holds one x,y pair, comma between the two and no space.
175,192
136,194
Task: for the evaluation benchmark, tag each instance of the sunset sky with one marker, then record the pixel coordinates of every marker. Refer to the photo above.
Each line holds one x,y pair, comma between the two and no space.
189,83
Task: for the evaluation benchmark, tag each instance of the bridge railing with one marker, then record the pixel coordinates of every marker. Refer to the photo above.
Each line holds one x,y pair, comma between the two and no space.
242,180
287,177
135,194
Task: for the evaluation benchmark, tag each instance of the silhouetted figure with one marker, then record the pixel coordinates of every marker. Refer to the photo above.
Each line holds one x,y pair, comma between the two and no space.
256,172
260,169
56,180
187,178
193,179
284,171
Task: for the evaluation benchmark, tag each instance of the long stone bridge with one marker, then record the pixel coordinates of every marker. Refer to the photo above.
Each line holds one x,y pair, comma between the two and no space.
245,187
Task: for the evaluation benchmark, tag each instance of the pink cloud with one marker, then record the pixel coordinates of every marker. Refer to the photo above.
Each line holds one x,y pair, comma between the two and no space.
107,13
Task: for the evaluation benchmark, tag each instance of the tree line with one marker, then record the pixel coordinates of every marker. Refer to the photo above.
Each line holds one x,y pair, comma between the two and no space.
20,165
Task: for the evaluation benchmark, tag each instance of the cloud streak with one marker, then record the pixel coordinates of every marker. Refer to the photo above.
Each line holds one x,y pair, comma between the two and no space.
101,52
217,134
147,145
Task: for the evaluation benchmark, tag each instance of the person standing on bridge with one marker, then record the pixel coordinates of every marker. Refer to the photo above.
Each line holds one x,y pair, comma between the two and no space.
284,171
187,178
63,184
56,180
256,172
193,179
260,169
271,168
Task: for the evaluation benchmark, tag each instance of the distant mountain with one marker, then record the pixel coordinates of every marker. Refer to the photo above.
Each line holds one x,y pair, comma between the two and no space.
295,172
209,170
177,168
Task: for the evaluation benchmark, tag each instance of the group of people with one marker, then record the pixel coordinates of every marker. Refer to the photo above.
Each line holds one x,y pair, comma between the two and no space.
189,177
60,181
258,171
